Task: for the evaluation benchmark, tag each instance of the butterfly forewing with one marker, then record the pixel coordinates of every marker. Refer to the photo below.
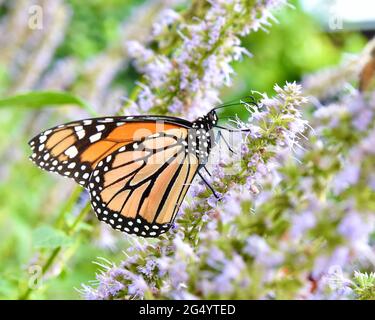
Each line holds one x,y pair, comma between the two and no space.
74,149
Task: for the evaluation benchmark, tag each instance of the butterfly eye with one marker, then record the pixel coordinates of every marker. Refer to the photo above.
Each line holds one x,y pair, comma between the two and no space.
212,117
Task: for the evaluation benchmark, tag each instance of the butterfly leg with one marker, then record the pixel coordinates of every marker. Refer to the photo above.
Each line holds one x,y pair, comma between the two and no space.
220,135
208,172
209,186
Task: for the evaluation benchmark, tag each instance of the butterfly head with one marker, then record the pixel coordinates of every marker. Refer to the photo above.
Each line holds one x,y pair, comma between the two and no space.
212,118
206,122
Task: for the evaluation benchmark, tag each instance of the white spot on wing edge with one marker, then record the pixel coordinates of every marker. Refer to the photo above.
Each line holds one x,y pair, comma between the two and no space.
72,165
108,120
80,134
100,127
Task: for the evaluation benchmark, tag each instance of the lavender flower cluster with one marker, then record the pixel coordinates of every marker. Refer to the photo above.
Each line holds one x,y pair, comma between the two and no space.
297,212
186,78
346,167
213,250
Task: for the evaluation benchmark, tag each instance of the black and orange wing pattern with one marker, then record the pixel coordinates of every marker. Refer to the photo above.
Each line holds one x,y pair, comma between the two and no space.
139,187
137,169
74,149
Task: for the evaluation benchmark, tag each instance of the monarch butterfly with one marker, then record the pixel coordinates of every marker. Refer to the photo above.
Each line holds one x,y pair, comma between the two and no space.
137,169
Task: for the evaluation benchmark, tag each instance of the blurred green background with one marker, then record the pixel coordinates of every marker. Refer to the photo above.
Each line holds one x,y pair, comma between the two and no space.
80,50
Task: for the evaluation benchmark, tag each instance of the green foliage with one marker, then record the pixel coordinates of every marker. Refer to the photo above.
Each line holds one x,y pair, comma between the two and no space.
34,212
48,237
291,48
94,26
43,99
364,285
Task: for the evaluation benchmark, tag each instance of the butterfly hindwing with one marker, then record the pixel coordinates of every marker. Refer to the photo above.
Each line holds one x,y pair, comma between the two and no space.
139,187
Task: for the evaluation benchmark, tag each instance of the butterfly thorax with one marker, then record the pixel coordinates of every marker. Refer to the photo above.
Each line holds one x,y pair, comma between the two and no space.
201,137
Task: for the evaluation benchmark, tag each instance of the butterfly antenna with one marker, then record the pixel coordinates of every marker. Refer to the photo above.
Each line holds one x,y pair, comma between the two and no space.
247,101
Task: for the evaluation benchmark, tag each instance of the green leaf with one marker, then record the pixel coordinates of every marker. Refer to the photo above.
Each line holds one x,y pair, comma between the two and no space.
43,99
48,237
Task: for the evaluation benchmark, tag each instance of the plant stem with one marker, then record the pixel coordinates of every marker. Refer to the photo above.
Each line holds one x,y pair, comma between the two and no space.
54,254
68,206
